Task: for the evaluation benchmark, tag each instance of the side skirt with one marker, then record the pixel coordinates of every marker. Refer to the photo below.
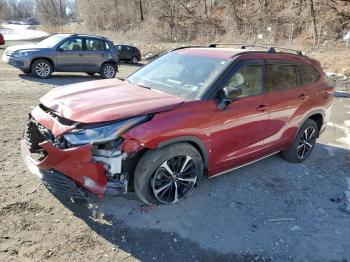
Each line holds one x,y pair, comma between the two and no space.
246,164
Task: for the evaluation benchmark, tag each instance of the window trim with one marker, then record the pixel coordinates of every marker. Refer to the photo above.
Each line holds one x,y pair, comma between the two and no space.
286,63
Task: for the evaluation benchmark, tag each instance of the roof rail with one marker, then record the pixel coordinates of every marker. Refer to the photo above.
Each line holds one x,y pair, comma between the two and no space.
270,49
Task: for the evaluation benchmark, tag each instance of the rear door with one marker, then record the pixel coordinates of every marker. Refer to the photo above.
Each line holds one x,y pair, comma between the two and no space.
95,54
69,56
287,99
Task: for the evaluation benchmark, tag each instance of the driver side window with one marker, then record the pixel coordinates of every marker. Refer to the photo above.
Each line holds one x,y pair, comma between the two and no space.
248,80
72,44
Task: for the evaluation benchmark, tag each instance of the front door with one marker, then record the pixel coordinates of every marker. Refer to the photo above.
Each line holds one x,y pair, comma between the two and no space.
240,129
69,56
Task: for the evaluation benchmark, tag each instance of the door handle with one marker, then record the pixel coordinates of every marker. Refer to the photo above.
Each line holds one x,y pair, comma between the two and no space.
103,55
262,108
80,54
303,96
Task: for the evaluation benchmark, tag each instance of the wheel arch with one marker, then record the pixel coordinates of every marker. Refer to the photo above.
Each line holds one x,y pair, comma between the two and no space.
44,58
317,115
194,141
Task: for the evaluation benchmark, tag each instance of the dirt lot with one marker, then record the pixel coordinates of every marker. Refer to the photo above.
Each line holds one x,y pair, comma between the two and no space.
269,211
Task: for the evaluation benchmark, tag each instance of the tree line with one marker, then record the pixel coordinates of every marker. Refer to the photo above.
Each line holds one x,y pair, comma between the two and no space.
187,20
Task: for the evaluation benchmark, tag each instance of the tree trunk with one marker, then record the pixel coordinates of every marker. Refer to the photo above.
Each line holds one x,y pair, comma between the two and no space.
141,10
313,17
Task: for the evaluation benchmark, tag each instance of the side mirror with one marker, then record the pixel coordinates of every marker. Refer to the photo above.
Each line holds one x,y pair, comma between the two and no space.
228,95
60,49
232,92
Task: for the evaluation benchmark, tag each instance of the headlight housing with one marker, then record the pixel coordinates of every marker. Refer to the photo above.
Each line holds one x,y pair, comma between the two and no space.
102,133
19,54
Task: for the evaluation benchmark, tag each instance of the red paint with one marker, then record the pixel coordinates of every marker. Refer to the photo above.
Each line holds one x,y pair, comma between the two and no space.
242,133
106,100
2,40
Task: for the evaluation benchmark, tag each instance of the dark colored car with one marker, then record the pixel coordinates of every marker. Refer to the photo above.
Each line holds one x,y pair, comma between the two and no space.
191,113
2,39
65,53
129,53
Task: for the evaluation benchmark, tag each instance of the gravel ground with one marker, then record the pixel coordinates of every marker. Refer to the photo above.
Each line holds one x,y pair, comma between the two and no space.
271,210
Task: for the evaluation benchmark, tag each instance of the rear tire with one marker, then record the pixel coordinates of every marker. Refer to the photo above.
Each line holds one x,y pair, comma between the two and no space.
42,68
169,174
108,71
303,144
134,60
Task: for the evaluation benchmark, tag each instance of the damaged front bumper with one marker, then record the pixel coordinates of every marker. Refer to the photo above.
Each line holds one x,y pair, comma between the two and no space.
67,171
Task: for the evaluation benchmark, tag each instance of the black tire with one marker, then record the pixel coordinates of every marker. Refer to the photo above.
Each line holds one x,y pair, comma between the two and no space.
91,74
42,68
150,172
108,71
134,60
303,144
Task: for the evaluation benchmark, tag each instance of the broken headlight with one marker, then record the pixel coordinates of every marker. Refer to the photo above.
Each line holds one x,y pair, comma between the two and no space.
102,133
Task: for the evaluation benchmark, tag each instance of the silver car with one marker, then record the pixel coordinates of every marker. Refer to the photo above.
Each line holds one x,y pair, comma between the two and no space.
65,53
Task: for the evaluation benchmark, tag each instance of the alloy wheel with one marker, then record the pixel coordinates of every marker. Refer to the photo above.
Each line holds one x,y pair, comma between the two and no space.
42,69
307,142
174,179
108,71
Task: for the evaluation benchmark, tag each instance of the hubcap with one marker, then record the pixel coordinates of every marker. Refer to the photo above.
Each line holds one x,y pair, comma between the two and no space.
307,141
108,71
42,69
134,60
174,179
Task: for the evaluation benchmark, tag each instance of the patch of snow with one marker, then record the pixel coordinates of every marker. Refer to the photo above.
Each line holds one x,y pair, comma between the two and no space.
21,32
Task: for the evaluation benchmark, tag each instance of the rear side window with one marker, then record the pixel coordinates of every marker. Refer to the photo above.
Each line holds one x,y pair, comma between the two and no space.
309,74
95,45
281,77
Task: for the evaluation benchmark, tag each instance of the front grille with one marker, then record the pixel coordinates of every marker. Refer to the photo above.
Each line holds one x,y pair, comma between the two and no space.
34,134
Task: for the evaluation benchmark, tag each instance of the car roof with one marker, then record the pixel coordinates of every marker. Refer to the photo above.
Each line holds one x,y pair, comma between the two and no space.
85,35
233,53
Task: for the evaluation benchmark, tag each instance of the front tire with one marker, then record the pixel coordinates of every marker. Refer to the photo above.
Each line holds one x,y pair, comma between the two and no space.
167,175
303,144
108,70
42,68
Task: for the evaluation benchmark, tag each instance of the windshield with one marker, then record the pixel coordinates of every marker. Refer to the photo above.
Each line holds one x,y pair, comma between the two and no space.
186,76
52,41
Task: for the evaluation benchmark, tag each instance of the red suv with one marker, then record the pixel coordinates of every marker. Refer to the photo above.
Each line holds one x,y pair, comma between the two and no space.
193,112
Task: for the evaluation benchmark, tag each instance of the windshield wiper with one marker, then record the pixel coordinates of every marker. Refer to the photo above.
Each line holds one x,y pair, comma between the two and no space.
147,87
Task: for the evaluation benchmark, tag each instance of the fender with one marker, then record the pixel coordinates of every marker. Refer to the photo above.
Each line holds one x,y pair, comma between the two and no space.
308,115
194,140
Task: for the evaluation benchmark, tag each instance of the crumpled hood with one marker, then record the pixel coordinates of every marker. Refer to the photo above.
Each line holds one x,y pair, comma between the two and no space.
106,100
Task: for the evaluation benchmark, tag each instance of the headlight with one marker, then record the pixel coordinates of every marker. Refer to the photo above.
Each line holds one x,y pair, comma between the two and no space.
19,54
102,133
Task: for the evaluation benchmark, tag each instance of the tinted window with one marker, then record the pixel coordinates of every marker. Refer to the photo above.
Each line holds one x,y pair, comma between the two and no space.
309,74
281,77
94,45
72,44
248,79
